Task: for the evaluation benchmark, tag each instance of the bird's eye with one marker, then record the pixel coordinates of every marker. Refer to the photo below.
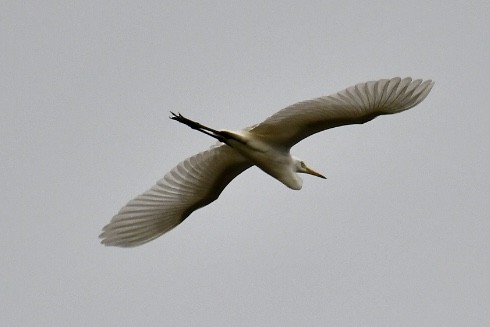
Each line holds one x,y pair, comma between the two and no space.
302,164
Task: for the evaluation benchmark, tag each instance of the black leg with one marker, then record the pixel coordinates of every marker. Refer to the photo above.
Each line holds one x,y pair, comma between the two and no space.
181,119
220,136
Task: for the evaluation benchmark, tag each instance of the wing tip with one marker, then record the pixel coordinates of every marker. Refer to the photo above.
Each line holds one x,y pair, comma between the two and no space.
387,96
404,93
133,231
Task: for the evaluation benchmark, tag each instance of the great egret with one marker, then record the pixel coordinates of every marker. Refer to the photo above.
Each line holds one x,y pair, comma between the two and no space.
200,179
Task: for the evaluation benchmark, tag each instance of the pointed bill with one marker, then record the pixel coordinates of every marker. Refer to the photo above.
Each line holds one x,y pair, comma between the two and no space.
314,173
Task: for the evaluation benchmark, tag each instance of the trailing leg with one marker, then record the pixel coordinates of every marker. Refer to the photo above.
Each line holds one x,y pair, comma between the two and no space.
220,136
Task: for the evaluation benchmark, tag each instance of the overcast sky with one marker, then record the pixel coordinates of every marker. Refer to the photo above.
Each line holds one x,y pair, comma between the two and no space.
398,235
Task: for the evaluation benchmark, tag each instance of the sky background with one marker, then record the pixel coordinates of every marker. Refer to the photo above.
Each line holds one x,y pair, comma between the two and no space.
398,235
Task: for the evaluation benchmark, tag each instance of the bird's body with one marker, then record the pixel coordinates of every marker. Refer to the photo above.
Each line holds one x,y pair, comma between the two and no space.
273,160
200,179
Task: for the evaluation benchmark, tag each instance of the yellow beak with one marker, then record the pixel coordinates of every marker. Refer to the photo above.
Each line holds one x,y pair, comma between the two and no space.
314,173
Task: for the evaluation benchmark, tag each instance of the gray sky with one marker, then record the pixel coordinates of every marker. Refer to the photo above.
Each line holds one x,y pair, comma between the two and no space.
397,235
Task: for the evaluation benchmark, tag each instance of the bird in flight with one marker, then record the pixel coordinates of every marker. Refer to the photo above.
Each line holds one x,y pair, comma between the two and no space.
200,179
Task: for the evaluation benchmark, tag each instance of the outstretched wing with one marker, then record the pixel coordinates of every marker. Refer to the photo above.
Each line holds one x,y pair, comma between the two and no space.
354,105
192,184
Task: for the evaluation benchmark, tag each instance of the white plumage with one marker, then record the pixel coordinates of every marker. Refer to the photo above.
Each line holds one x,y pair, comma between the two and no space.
200,179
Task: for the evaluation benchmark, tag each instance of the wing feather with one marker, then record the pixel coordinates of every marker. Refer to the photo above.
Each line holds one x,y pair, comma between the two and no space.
192,184
354,105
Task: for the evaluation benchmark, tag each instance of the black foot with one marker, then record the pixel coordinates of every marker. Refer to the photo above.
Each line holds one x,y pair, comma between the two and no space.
221,136
186,121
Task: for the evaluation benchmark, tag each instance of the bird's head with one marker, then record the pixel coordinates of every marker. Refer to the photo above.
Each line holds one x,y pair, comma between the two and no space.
301,167
290,178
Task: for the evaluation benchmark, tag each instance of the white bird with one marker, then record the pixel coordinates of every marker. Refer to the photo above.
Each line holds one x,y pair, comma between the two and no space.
200,179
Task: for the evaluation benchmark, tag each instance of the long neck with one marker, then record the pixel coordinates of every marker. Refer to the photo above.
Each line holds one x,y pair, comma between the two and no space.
293,181
290,177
